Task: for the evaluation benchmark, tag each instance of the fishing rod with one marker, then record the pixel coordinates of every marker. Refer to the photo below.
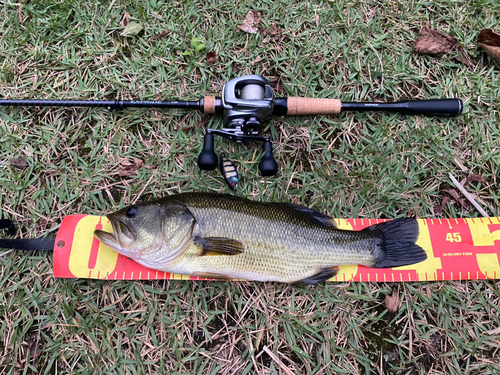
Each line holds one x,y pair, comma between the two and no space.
246,103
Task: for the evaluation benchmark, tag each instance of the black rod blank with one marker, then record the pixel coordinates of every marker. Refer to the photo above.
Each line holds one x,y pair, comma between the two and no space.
111,104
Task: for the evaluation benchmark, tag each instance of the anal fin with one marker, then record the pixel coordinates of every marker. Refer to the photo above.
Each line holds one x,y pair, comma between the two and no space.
323,275
211,275
219,246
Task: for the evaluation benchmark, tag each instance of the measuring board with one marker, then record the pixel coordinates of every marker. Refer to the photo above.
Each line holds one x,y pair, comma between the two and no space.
457,249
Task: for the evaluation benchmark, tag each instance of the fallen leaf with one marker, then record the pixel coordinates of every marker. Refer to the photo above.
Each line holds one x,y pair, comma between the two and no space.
129,167
34,348
250,22
279,89
462,57
125,19
476,178
434,41
132,29
392,302
257,59
455,195
19,163
490,42
440,208
125,162
211,58
160,36
273,30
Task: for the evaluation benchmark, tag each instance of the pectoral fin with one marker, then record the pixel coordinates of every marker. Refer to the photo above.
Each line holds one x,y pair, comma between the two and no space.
219,246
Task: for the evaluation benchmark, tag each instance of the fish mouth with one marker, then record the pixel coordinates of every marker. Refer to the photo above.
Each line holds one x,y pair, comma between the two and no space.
121,237
106,238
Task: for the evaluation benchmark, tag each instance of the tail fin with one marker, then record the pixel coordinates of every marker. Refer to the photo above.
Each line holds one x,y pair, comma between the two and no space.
397,247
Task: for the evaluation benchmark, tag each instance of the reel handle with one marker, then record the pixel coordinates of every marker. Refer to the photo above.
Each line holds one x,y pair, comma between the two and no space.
207,160
268,166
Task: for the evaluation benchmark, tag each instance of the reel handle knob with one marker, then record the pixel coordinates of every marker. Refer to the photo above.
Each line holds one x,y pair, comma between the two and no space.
268,166
207,160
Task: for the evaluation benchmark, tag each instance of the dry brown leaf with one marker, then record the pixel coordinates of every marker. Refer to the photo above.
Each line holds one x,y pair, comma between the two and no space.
19,163
440,208
129,167
251,21
273,30
160,36
462,57
125,19
476,178
211,58
490,42
392,302
279,89
455,195
34,348
434,41
257,59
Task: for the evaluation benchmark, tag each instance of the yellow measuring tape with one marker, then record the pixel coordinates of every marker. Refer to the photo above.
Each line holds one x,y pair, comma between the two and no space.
457,249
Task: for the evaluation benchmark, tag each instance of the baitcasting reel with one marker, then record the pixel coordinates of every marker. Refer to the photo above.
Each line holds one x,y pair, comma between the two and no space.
247,103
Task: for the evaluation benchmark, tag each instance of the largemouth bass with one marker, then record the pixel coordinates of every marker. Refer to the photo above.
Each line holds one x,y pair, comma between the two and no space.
223,236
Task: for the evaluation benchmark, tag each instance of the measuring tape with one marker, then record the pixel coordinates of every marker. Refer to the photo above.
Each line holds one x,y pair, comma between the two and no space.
457,249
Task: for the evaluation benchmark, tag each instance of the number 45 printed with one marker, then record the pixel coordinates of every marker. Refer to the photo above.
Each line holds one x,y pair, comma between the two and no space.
453,237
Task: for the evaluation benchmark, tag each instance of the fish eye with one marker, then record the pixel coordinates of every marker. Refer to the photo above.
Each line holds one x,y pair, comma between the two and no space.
131,212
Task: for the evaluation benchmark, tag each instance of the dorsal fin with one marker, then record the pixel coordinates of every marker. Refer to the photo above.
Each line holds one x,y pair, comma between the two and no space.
315,216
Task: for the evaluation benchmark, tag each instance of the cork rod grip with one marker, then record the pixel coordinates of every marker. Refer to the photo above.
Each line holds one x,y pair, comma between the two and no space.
313,106
209,104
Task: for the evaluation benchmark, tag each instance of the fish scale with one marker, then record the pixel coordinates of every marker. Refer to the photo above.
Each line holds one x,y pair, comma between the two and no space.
274,241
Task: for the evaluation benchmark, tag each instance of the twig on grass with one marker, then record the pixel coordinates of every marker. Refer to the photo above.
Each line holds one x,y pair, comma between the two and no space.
468,195
277,360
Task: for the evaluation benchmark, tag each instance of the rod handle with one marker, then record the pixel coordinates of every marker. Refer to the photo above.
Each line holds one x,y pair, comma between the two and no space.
434,107
312,106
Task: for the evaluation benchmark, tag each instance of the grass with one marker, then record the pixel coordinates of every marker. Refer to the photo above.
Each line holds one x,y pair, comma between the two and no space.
354,165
